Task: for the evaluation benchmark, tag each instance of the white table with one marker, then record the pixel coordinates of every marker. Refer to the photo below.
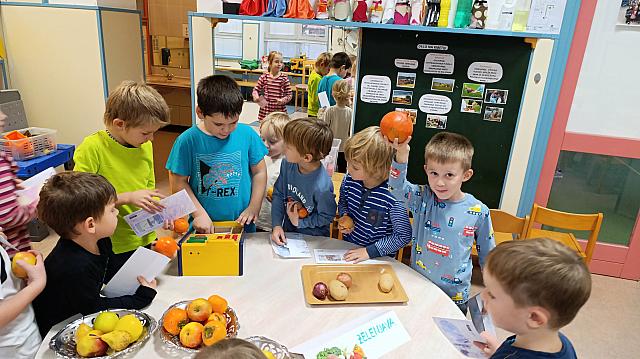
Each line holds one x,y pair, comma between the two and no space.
269,301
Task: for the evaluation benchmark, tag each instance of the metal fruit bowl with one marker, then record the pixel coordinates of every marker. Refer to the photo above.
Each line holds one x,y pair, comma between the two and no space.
173,341
64,342
277,349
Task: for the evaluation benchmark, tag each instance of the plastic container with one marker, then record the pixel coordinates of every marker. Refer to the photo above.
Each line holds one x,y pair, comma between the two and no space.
28,142
331,160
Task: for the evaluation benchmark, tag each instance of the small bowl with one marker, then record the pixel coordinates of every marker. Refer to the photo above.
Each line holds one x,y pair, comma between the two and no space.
173,341
277,349
64,342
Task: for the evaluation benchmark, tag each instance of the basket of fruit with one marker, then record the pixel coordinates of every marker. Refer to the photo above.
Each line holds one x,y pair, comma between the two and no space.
190,325
270,348
107,334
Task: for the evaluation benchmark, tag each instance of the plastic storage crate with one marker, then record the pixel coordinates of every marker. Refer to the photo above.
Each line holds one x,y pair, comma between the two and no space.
28,142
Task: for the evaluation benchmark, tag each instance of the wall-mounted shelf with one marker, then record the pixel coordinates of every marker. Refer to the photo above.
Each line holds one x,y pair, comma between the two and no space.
350,24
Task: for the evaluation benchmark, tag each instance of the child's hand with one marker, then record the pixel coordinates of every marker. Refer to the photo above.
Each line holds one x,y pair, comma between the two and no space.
277,236
490,346
202,224
402,149
292,212
18,183
144,199
36,274
143,282
248,216
262,102
167,225
356,255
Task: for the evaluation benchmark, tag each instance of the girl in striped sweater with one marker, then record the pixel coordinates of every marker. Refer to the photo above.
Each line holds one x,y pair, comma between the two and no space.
380,222
273,90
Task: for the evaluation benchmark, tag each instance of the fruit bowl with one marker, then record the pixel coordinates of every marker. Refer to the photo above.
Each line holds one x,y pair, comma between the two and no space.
278,350
173,341
64,342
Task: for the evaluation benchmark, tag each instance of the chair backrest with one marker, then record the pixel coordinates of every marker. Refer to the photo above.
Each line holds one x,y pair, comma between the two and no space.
504,222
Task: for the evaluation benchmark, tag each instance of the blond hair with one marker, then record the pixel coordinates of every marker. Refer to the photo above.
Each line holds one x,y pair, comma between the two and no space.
272,57
309,136
542,272
232,348
447,147
137,105
369,148
274,124
341,91
323,61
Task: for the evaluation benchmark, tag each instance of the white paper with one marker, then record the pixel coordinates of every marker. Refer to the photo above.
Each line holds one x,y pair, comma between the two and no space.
176,206
480,318
324,100
375,89
296,247
436,63
435,104
33,185
336,256
406,63
546,16
487,72
144,262
461,333
376,334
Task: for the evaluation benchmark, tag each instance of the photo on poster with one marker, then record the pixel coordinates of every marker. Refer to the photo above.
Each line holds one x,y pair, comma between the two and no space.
406,79
629,13
496,96
436,121
472,90
471,106
493,114
413,113
444,85
401,97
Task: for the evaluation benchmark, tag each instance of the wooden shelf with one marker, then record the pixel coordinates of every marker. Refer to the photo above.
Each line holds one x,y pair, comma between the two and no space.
350,24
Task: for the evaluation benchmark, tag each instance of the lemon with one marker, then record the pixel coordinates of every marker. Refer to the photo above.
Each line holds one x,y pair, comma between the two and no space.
129,323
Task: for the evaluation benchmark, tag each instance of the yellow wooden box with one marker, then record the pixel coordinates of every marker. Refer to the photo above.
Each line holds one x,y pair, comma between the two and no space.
216,254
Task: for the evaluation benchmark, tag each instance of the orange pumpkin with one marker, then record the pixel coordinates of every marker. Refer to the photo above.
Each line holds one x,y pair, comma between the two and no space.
166,246
396,124
174,320
180,225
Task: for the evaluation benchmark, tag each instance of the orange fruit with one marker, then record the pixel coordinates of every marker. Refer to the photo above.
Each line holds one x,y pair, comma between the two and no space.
212,332
166,246
180,225
174,320
218,303
28,257
396,124
191,335
217,317
302,212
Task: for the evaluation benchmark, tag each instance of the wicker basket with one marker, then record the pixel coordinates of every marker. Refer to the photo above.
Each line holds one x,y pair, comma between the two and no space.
41,141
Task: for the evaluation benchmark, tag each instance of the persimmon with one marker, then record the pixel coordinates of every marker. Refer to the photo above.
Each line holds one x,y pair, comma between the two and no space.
166,246
174,320
218,304
180,225
213,332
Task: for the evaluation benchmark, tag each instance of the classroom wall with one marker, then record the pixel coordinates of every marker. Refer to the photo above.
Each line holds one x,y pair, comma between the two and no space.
606,95
122,47
122,4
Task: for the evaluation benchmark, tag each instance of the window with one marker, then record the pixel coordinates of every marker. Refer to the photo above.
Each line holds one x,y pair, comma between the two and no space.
228,39
295,39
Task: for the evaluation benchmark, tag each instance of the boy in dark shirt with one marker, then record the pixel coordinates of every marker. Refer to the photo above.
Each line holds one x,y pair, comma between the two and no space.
80,207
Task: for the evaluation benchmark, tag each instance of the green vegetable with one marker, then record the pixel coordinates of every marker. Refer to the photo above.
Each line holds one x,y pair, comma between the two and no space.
325,353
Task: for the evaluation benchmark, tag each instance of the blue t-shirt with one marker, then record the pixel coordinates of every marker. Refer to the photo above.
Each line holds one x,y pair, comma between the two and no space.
219,170
313,190
508,351
326,85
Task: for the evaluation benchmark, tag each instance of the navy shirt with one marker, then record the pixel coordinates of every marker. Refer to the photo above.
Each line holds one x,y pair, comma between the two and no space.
508,351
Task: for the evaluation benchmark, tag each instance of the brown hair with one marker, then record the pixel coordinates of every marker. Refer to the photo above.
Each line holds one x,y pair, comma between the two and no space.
137,105
69,198
369,148
446,147
323,60
231,349
309,136
274,123
272,56
542,272
341,91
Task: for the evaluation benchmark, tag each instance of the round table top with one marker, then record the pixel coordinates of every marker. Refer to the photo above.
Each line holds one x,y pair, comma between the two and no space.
269,301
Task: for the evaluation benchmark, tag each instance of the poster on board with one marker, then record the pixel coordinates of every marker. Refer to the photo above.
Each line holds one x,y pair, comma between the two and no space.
629,14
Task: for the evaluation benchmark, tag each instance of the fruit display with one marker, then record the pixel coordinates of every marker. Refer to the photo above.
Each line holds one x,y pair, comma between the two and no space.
396,124
166,246
28,257
345,223
385,283
190,325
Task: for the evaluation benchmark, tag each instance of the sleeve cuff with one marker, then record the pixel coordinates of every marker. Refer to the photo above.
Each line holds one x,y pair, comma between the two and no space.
372,251
146,293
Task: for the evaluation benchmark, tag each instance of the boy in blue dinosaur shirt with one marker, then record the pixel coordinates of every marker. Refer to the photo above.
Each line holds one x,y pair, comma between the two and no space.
446,221
303,185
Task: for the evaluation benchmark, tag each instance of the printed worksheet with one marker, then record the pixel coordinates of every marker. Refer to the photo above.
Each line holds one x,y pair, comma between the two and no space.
296,247
176,206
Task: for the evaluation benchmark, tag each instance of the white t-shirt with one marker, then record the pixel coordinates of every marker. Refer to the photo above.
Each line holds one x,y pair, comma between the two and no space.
273,171
17,338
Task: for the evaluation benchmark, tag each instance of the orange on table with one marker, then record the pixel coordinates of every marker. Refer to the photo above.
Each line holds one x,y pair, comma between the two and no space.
180,225
212,332
166,246
218,303
174,320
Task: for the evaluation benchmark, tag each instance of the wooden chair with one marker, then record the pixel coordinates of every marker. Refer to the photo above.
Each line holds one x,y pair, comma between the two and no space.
506,227
302,88
569,221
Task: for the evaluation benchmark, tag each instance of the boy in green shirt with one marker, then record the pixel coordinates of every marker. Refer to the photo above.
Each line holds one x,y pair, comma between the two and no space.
123,154
321,69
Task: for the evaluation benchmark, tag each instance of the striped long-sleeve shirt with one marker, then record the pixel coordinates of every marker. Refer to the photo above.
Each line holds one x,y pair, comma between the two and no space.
277,92
13,216
381,222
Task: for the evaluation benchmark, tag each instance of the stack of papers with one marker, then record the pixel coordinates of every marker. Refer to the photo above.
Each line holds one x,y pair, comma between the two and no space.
144,262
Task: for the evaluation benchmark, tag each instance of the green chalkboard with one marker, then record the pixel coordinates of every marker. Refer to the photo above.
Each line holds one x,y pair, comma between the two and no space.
492,140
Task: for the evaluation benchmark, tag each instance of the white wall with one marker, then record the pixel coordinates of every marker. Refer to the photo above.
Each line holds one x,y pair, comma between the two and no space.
606,98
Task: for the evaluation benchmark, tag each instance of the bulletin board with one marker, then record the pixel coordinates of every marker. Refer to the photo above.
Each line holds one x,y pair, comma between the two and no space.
472,85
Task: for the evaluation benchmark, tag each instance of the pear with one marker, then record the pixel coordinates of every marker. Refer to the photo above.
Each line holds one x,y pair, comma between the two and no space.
82,330
105,322
117,339
90,346
131,324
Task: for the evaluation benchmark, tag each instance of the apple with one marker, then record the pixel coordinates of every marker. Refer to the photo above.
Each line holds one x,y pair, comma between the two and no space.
91,346
106,322
199,310
28,257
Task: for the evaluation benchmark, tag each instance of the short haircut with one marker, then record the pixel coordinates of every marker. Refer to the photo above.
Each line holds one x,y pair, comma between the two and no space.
340,59
231,348
137,105
446,147
369,148
274,124
219,94
341,91
309,136
69,198
323,60
542,272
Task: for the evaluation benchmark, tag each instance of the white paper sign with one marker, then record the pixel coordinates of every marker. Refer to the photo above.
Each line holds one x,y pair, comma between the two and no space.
177,205
375,89
432,47
436,104
487,72
441,64
324,99
144,262
406,64
296,247
371,336
33,185
461,334
546,16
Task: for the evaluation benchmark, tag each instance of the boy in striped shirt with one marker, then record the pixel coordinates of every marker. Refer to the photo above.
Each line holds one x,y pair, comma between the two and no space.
381,222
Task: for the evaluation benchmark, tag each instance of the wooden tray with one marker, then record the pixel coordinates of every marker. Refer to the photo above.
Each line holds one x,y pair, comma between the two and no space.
364,288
